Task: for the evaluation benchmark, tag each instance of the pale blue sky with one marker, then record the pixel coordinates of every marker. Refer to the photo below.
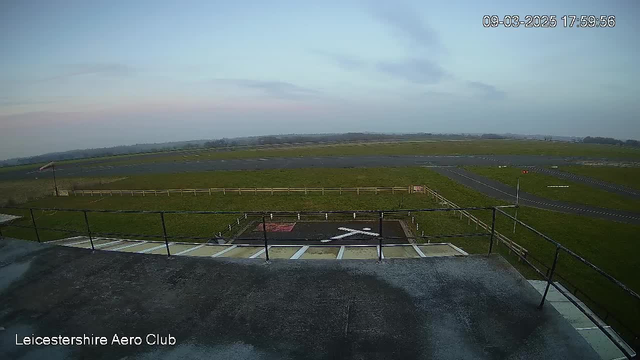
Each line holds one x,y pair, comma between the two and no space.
77,74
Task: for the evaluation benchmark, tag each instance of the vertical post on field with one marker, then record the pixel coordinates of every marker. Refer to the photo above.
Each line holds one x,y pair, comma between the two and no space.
55,183
164,233
33,220
380,216
264,233
550,279
86,221
493,229
517,201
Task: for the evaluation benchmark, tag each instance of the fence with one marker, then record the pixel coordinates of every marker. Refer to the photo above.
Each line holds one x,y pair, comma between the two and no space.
511,245
240,191
490,232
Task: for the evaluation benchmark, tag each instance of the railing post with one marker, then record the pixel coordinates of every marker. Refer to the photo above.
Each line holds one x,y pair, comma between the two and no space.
33,219
86,221
264,233
493,229
380,216
550,279
164,233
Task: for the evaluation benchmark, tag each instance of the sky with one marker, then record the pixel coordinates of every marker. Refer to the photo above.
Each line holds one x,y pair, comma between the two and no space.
87,74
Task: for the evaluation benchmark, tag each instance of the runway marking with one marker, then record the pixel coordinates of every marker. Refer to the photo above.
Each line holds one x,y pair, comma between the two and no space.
262,251
128,246
350,232
189,250
578,210
153,248
107,244
224,251
300,252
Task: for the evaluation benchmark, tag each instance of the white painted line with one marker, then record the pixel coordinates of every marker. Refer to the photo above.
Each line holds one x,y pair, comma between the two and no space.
153,248
593,328
417,249
128,246
109,243
259,253
65,239
300,252
189,250
224,251
458,249
340,253
77,243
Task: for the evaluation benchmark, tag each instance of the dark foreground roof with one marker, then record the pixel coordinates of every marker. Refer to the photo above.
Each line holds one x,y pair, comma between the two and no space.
430,308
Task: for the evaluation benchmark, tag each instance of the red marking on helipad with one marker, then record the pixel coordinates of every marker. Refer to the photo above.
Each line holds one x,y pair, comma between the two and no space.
277,227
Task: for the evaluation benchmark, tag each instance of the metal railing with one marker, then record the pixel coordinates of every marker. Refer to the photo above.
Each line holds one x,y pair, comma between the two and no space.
373,215
549,275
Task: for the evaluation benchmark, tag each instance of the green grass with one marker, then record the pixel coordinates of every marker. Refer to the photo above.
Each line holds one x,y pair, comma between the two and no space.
611,246
20,191
536,184
458,147
626,176
272,178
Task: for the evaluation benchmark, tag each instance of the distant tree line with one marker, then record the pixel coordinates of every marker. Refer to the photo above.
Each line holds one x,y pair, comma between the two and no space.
276,140
609,141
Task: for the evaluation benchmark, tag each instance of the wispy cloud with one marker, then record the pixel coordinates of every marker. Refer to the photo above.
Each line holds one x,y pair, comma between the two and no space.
347,62
107,69
405,22
486,91
419,71
277,89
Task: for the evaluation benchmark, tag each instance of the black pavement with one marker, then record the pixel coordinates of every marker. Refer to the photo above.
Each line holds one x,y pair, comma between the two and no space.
473,307
504,192
598,184
80,169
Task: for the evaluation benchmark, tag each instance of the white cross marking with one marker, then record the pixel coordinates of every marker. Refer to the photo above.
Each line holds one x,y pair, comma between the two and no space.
350,232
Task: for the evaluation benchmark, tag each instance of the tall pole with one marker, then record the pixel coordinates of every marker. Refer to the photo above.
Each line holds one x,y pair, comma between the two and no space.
517,201
55,183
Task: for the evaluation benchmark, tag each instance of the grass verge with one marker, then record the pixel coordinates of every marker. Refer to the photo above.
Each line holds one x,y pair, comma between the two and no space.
537,184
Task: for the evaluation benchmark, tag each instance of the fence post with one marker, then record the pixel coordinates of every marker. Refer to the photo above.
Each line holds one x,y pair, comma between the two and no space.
493,229
164,233
553,268
264,233
1,236
33,219
86,221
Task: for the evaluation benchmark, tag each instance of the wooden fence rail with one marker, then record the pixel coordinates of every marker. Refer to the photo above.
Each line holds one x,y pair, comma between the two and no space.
240,191
511,245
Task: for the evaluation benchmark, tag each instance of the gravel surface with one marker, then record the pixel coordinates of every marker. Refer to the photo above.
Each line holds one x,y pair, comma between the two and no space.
473,307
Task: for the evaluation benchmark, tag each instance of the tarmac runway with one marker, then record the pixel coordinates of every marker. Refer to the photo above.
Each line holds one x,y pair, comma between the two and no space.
504,192
79,170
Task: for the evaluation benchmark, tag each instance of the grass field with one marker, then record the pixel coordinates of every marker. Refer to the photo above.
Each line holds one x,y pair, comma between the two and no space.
428,147
462,147
626,176
17,192
536,184
612,246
